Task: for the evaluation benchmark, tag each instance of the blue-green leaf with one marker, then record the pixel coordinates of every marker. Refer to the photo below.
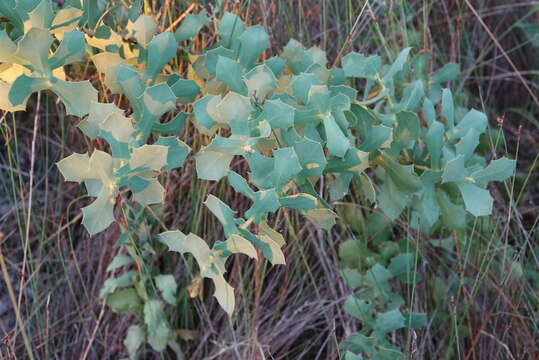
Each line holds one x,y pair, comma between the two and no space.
191,25
161,50
254,40
357,65
477,200
497,170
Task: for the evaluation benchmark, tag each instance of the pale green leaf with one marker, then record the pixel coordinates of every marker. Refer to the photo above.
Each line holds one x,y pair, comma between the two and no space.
23,87
152,157
402,264
412,96
179,242
402,175
185,90
204,121
279,114
177,151
153,193
75,167
76,95
448,110
120,127
33,49
161,50
302,84
70,50
41,16
357,65
266,230
98,112
477,200
448,72
111,284
434,140
286,165
212,57
122,301
391,199
337,142
224,293
150,105
190,26
319,98
398,64
408,128
339,186
230,72
254,40
497,170
239,245
240,184
134,339
260,81
212,165
7,48
223,213
367,187
167,285
322,217
429,113
158,329
378,136
144,28
467,144
108,64
302,202
234,108
265,201
360,309
389,321
277,256
452,214
472,120
276,65
230,28
455,170
311,157
97,216
65,20
119,261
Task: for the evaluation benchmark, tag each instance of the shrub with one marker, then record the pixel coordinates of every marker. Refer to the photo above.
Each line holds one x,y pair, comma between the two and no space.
301,126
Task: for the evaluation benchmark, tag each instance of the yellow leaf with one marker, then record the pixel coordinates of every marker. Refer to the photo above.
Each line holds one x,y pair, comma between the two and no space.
75,167
154,193
65,20
153,157
265,229
224,293
277,256
119,125
238,244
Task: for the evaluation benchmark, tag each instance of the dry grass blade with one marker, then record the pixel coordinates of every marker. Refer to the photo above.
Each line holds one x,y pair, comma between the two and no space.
504,53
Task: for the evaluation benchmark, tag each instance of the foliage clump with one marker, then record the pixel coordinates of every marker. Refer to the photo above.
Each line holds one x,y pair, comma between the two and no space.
300,125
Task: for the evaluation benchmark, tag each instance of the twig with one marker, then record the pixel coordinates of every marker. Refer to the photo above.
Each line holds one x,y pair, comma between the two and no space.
182,16
65,226
94,333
